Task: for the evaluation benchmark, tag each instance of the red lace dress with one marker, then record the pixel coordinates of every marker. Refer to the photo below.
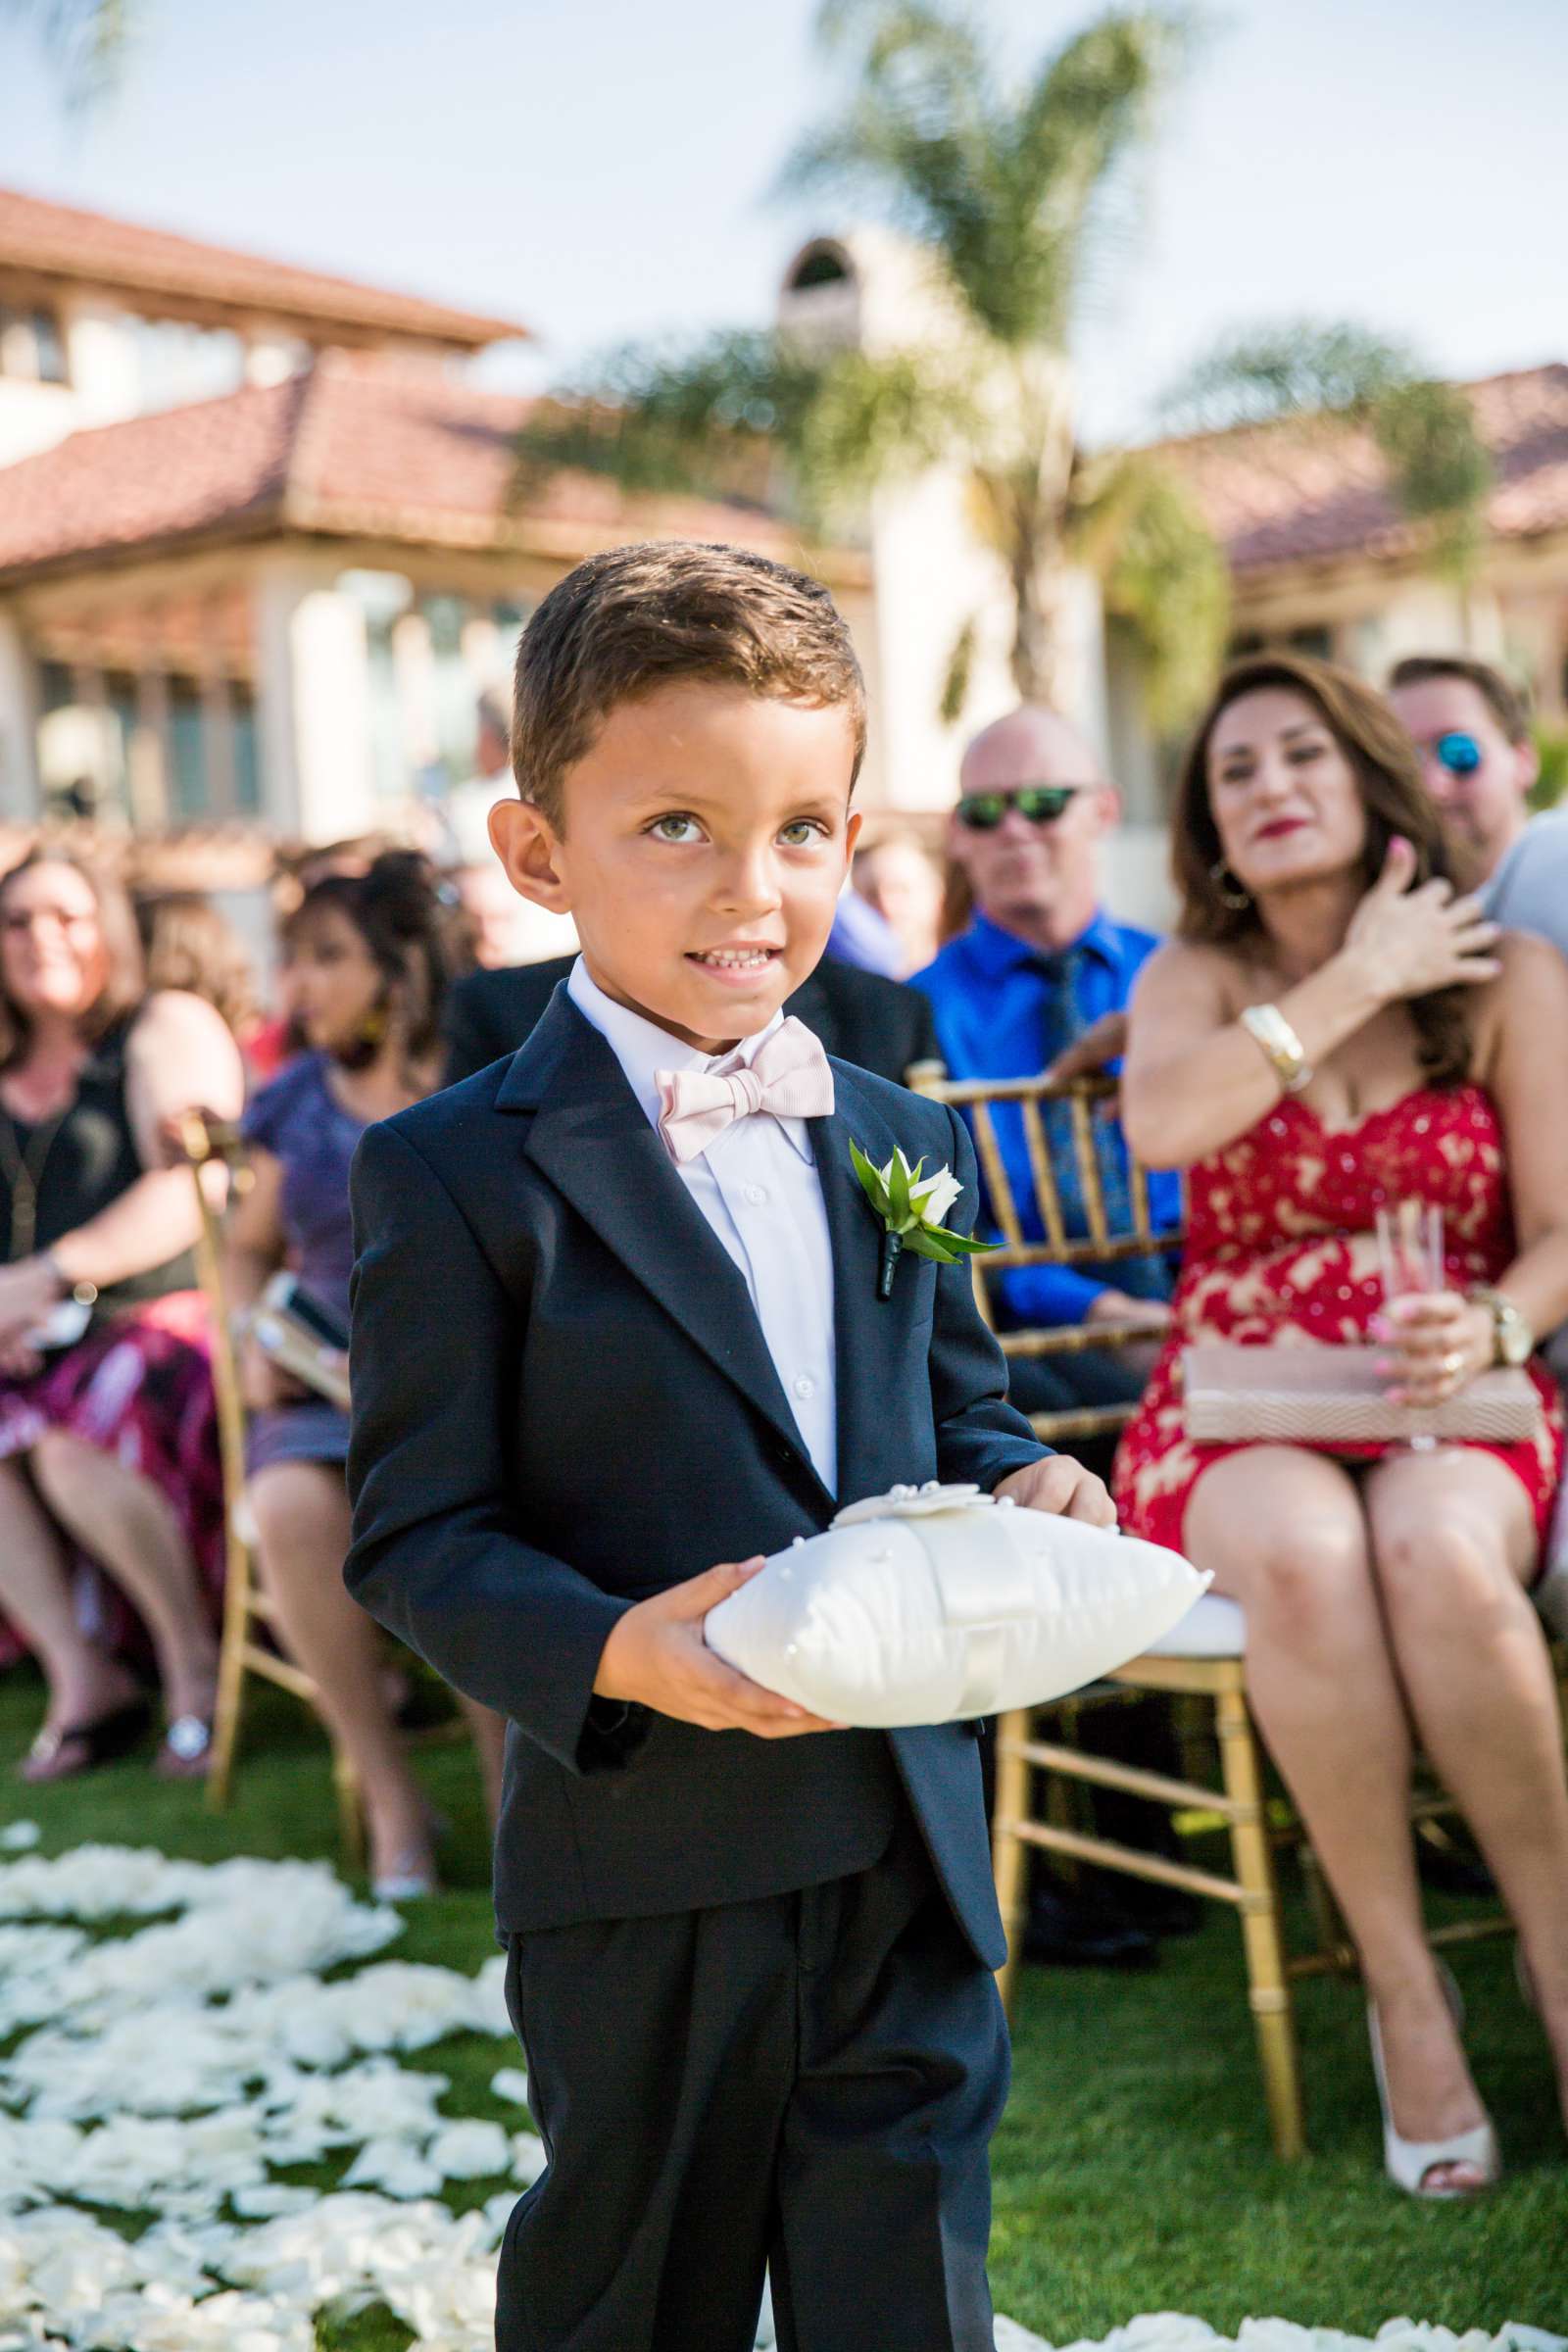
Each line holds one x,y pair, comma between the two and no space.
1281,1252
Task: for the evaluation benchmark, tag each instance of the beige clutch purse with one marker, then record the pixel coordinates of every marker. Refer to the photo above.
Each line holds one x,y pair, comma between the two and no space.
1334,1396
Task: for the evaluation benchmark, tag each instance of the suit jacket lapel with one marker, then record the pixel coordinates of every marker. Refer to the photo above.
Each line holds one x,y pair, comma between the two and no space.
873,1357
590,1137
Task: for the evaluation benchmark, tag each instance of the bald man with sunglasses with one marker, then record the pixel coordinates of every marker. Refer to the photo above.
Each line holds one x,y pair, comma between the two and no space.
1038,964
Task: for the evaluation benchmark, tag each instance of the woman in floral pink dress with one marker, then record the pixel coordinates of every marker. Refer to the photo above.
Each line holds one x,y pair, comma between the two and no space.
1335,1031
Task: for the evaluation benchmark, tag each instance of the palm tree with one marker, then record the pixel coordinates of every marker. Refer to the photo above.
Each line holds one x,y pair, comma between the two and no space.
1012,193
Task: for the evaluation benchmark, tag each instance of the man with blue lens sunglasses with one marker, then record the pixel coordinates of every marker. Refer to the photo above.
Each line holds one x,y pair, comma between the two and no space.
1471,731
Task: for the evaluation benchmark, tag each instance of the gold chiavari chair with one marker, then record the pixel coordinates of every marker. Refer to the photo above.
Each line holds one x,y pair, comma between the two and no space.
209,1146
1200,1666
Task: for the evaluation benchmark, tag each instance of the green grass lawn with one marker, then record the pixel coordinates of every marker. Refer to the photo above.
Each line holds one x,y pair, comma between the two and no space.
1132,2169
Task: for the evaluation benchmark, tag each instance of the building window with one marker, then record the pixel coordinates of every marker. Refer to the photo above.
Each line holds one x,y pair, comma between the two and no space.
33,348
247,760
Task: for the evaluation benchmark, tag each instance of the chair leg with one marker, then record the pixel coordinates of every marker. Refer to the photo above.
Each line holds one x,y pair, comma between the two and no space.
1262,1926
230,1697
1009,1854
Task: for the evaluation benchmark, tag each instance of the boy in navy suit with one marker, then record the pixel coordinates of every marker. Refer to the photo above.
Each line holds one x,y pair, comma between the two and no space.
615,1319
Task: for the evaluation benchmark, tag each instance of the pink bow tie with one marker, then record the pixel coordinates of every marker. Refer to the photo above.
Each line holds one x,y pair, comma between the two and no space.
790,1077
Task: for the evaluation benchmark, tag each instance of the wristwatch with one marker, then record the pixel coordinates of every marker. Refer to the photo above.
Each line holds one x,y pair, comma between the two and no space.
1513,1339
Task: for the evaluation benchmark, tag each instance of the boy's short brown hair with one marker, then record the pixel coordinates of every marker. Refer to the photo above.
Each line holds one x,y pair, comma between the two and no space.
635,618
1503,699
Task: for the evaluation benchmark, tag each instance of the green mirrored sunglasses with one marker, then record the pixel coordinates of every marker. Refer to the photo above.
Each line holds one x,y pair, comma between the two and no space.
1041,804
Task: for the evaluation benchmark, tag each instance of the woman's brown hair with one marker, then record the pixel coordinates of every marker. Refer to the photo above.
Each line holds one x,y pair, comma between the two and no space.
413,924
125,977
1384,763
191,945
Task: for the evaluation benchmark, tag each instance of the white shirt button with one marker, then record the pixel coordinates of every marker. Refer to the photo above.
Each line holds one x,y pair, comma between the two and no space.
757,1195
805,1385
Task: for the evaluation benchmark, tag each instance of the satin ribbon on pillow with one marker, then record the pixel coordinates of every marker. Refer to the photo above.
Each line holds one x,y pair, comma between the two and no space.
788,1078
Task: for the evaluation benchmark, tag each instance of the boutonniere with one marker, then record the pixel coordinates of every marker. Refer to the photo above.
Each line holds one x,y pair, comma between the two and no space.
911,1206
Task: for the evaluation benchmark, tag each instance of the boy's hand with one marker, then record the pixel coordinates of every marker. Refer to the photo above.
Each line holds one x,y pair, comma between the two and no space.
656,1657
1062,1486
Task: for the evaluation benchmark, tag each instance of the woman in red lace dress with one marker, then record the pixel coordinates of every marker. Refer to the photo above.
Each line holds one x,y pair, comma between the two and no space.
1334,1030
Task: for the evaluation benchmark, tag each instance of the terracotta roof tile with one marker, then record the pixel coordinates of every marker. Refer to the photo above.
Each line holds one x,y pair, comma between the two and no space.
59,240
175,476
354,446
1312,492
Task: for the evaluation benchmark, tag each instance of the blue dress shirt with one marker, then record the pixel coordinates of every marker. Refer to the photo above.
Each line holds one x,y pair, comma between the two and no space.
1003,1010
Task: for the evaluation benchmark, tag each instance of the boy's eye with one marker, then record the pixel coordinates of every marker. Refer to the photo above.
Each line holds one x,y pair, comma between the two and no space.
676,828
803,830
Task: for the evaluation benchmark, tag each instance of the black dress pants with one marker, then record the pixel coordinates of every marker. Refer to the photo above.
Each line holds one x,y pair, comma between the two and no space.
810,2081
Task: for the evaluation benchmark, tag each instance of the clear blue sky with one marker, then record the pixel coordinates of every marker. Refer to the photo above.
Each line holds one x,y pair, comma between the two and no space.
601,169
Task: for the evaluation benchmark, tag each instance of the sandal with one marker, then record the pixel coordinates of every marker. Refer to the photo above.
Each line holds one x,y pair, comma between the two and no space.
1409,2162
101,1740
187,1749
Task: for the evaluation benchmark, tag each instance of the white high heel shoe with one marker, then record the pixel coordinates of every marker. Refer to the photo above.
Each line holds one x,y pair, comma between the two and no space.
1408,2162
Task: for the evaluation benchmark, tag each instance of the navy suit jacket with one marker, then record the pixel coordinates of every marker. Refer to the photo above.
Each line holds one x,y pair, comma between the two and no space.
563,1403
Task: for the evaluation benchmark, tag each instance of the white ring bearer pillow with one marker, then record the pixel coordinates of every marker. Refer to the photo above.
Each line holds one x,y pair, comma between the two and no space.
934,1605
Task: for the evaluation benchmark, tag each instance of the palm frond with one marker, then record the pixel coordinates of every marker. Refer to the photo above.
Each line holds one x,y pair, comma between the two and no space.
88,40
731,414
1161,573
1300,367
960,671
1440,467
1003,188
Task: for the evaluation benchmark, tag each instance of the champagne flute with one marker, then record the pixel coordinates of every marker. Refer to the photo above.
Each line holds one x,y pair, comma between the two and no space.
1411,1264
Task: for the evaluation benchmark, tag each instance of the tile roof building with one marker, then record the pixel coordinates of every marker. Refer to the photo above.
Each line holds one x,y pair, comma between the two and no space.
263,547
261,543
1320,551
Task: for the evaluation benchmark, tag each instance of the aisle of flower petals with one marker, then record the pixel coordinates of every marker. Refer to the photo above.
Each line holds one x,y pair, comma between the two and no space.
173,2043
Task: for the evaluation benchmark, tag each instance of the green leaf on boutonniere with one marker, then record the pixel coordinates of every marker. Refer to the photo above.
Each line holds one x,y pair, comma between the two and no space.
871,1183
912,1205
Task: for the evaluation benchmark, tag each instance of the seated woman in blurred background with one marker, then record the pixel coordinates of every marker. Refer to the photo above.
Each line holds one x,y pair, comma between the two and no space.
190,944
370,957
107,1442
1332,1033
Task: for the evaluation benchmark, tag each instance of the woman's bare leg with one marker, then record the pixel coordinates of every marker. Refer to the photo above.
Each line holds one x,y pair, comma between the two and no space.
1453,1543
302,1520
1285,1533
123,1520
84,1681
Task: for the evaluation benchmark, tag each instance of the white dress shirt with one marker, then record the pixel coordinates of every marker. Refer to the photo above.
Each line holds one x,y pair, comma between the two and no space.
757,1184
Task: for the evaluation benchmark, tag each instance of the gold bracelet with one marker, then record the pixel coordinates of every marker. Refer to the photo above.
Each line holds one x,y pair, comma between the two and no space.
1268,1028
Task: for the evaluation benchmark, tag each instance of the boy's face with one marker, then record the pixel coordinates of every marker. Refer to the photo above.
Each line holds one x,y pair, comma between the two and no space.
707,834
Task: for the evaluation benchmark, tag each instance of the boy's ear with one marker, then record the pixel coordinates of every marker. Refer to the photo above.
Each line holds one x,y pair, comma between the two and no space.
525,842
851,832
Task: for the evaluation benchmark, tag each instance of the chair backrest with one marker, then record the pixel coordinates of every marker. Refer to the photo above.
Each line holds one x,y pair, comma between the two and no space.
1082,1131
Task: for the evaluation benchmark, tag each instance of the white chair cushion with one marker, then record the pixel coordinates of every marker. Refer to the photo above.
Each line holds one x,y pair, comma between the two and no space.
1212,1628
935,1605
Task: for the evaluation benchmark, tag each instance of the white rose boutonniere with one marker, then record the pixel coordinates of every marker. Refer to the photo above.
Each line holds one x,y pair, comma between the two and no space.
911,1206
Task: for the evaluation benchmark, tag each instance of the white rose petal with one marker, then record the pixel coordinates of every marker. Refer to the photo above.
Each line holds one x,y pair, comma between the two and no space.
469,2151
171,2067
933,1196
